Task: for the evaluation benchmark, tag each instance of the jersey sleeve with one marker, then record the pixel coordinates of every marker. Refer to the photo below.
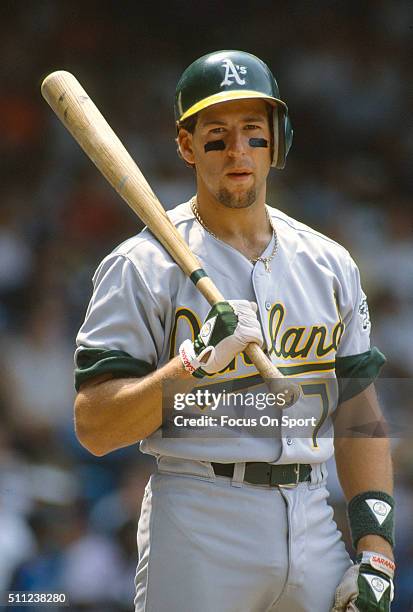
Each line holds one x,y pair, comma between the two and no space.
122,333
357,363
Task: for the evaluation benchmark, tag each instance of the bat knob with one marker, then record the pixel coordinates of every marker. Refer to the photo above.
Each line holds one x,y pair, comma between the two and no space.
288,392
292,395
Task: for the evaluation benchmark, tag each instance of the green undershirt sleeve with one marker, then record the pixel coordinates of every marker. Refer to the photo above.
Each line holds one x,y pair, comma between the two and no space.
91,362
356,372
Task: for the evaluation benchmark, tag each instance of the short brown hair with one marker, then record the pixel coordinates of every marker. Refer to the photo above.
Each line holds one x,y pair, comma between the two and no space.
188,124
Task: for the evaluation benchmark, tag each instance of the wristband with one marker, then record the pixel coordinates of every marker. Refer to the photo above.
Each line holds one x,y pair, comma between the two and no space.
371,513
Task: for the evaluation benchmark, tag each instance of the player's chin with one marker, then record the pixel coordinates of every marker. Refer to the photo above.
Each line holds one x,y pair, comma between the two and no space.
237,198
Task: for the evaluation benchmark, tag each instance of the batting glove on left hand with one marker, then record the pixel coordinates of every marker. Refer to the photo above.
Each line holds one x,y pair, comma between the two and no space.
367,586
228,328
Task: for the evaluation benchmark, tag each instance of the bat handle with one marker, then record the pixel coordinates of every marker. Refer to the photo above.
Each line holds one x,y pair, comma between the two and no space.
262,363
272,376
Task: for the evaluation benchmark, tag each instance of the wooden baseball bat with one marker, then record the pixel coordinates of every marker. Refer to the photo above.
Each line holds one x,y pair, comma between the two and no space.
63,92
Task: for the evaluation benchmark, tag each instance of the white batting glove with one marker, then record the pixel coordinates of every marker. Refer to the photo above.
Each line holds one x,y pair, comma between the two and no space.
367,586
228,328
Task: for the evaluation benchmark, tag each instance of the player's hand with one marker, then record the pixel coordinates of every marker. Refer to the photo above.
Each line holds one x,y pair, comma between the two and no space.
367,586
228,328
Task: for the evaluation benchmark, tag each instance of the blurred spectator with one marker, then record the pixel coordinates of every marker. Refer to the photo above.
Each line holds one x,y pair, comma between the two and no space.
17,544
38,364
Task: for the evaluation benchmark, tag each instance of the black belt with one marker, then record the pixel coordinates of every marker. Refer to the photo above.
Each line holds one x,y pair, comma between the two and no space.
288,475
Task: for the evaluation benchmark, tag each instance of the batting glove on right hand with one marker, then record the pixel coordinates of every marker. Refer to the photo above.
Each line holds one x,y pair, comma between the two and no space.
367,586
228,328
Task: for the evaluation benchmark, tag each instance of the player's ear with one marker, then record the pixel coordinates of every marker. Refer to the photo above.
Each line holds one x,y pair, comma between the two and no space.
185,148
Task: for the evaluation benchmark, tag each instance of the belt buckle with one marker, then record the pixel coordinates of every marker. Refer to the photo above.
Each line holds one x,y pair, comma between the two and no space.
292,485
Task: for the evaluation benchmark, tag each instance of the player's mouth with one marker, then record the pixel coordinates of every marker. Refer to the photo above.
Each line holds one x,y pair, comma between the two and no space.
239,175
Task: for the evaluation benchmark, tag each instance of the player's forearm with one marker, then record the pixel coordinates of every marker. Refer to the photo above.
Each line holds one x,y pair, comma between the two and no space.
111,414
363,460
361,447
363,463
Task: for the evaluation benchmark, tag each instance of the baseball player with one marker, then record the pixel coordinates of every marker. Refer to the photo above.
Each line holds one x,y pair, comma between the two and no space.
237,522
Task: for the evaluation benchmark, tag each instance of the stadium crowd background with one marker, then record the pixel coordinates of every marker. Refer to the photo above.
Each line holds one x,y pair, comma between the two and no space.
68,519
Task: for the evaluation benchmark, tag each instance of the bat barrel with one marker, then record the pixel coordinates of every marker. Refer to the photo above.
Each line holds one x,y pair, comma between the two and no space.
63,92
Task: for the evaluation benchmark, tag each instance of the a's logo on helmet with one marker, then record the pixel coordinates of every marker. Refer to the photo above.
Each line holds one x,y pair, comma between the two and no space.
232,73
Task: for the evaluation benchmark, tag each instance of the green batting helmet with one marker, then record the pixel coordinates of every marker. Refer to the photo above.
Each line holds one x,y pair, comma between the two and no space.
233,75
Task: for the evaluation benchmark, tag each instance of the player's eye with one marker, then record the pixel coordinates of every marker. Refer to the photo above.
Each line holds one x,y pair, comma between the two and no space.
252,126
217,130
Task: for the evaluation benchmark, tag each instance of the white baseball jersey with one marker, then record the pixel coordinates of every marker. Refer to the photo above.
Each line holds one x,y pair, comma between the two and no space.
312,309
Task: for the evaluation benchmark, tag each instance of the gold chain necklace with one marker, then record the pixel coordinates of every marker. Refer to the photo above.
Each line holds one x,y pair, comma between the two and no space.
265,260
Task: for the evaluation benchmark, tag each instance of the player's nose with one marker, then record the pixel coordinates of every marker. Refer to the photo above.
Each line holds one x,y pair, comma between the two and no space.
236,143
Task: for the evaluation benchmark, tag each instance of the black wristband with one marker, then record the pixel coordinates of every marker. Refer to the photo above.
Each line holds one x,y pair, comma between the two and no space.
372,513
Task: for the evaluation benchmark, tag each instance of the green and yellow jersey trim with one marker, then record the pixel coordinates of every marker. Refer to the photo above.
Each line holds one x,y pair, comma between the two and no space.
354,373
